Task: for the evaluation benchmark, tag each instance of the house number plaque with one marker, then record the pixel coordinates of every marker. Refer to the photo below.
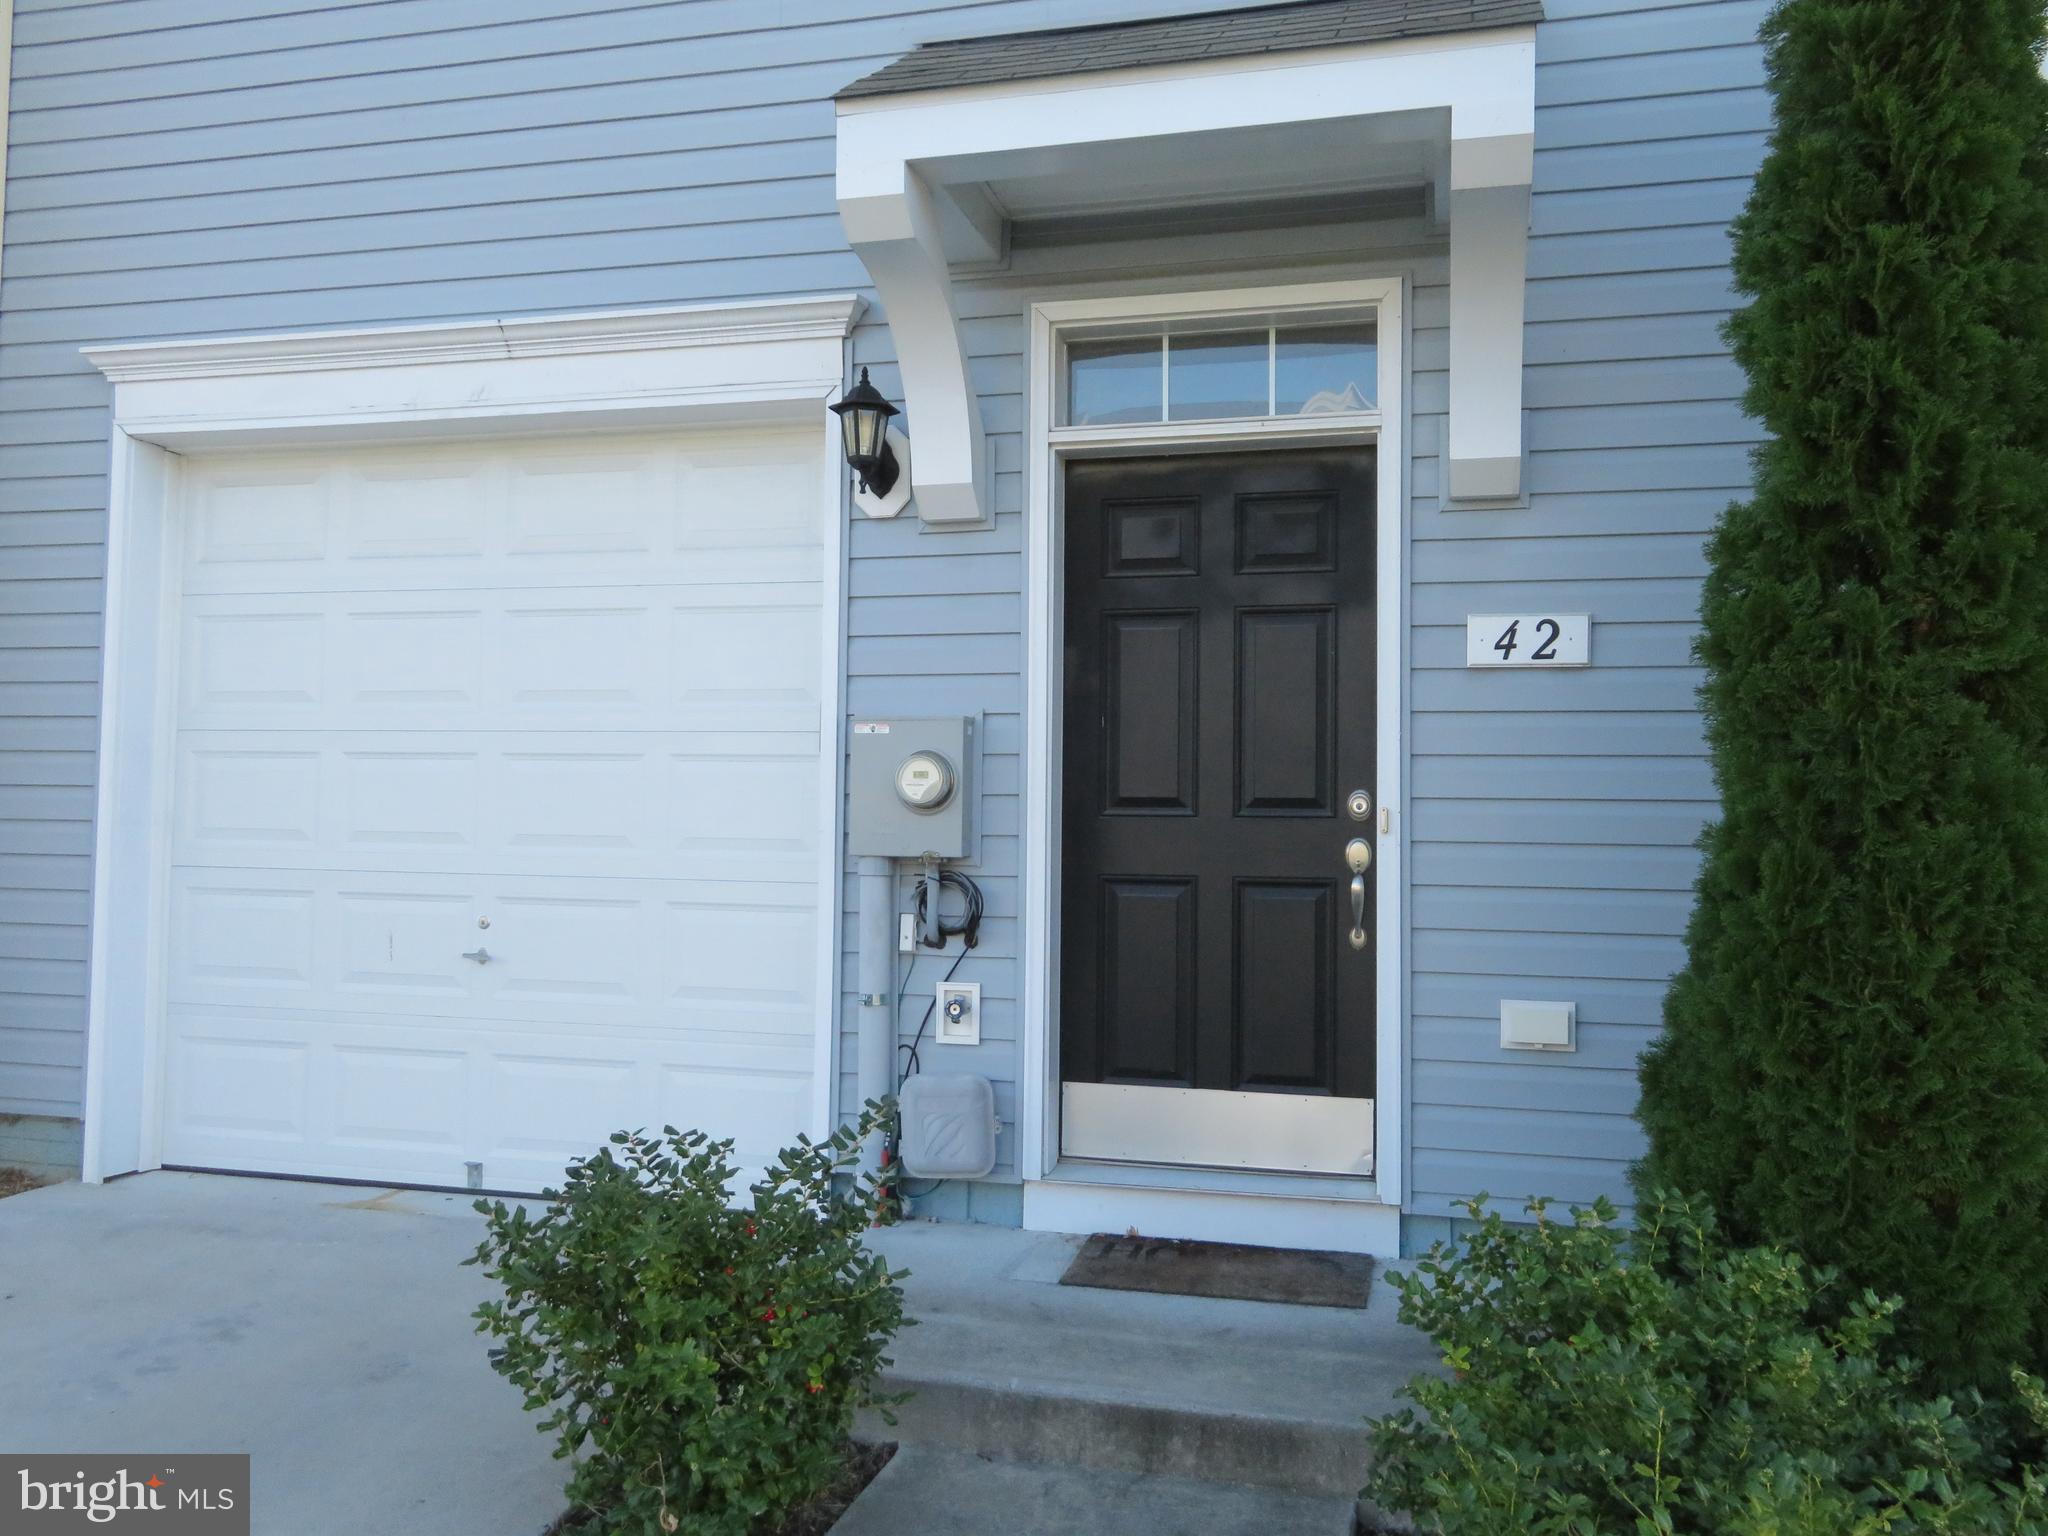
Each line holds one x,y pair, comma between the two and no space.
1527,639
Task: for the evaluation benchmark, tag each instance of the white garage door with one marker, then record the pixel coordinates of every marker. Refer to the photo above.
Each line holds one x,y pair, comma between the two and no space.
556,703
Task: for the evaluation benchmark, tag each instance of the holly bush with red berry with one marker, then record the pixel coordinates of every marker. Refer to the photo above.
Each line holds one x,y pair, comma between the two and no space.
700,1359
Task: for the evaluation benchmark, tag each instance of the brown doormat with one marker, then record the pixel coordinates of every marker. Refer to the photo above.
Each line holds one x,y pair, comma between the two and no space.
1231,1271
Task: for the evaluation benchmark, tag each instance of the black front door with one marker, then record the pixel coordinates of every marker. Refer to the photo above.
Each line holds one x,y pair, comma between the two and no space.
1220,667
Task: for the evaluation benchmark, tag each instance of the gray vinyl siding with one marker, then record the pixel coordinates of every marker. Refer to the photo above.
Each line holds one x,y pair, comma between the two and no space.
198,167
1553,816
936,621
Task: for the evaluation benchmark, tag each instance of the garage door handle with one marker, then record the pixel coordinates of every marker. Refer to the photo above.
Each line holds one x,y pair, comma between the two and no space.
480,956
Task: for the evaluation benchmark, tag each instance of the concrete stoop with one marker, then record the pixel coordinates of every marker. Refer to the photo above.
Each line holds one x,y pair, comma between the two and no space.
1011,1421
1068,1393
952,1493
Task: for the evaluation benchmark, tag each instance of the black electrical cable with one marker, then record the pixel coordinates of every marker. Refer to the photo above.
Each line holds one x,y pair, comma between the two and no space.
914,1065
967,928
968,925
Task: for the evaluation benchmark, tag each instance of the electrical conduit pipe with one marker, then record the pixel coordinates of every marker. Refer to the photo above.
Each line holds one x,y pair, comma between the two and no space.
876,1059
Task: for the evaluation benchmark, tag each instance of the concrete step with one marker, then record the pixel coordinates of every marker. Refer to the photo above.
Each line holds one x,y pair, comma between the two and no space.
925,1491
1005,1362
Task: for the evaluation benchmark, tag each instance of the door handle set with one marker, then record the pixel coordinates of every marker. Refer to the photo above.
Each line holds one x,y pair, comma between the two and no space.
1358,859
480,955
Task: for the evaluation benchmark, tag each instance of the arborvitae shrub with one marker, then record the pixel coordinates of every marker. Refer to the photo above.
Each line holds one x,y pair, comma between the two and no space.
1855,1058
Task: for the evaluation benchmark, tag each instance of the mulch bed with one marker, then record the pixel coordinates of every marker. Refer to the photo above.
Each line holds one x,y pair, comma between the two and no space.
17,1181
863,1464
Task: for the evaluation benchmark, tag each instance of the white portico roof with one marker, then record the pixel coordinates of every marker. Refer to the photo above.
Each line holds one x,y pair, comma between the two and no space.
938,150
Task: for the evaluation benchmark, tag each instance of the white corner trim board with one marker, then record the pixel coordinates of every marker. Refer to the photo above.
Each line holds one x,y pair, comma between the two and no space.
6,77
746,367
913,169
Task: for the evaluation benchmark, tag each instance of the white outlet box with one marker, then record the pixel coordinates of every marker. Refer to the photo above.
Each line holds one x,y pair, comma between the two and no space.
1527,1026
966,1029
906,934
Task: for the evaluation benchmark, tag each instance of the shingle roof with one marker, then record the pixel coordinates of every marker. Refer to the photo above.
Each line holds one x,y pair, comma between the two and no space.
1182,40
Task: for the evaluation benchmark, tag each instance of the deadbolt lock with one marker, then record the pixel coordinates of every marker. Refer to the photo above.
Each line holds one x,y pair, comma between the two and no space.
1359,804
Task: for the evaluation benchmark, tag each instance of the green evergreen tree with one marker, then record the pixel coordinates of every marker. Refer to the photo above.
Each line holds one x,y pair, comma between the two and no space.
1855,1057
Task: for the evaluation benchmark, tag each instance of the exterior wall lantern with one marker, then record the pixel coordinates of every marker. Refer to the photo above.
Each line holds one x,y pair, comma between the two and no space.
875,451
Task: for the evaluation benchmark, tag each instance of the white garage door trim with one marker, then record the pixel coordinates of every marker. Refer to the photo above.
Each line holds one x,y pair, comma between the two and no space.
683,367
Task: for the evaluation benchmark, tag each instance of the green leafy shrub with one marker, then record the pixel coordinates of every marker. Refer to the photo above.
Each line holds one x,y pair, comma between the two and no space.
1662,1383
702,1362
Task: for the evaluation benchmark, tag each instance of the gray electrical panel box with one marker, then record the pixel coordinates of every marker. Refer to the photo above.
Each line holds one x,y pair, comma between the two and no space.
910,787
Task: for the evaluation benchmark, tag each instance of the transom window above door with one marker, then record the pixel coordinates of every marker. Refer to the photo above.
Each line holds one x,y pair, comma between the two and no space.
1220,369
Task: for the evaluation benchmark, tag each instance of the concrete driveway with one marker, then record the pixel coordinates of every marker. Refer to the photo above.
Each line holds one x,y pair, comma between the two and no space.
324,1330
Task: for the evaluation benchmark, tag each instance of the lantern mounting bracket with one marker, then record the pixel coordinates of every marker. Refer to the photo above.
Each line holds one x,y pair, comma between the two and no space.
896,462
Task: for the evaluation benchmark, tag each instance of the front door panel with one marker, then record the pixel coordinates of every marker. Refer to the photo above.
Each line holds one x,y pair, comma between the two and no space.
1219,711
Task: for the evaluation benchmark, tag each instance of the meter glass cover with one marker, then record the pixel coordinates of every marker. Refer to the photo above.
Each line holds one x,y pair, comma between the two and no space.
925,781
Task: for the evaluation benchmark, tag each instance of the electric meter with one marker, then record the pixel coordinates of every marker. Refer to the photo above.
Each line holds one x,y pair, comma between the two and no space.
924,781
910,786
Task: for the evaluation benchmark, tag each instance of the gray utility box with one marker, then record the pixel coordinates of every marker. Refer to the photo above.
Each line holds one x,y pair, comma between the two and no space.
949,1126
910,787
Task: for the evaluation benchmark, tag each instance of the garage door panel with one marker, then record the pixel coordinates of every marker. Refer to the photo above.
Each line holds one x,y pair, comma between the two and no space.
581,657
753,564
589,950
554,1107
263,665
240,938
398,1100
250,519
403,801
738,952
430,507
242,800
574,659
618,805
765,654
581,801
557,700
679,956
568,504
761,1111
404,948
776,492
418,1103
411,665
537,514
235,1088
707,820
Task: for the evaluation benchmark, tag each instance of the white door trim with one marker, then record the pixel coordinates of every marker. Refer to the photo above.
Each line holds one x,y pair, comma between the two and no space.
697,365
1048,448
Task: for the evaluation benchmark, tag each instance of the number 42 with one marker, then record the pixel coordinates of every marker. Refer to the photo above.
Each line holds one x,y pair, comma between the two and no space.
1546,648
